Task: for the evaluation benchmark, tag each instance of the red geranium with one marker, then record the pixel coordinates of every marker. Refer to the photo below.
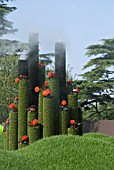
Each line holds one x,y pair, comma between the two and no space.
7,121
46,82
16,80
16,99
50,74
37,89
64,102
12,106
32,109
24,138
34,122
72,122
77,90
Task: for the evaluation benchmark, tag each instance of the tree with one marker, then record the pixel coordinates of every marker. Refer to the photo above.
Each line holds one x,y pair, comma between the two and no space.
5,25
97,86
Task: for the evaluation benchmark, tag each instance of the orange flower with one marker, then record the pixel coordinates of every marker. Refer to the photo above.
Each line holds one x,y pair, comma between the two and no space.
32,109
72,122
46,93
24,138
50,74
77,90
34,122
37,89
64,102
12,106
16,80
49,92
7,121
16,99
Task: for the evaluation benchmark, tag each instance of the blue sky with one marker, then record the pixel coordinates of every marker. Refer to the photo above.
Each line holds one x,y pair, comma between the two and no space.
77,23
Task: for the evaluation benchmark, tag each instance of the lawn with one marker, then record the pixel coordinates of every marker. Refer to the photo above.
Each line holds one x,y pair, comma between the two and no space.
88,152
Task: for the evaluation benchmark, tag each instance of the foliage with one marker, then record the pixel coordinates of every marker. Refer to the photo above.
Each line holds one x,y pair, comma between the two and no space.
8,88
62,152
5,25
97,84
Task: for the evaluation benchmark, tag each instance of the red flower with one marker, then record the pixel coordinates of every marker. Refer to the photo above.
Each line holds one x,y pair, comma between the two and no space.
77,90
21,76
7,121
46,92
64,102
50,74
72,122
32,109
12,106
46,82
37,89
16,99
24,138
34,122
16,80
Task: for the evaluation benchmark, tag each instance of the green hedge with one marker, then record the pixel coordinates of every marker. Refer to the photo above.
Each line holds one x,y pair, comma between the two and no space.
48,116
6,139
40,113
13,130
64,118
73,104
54,85
73,131
41,75
34,133
23,104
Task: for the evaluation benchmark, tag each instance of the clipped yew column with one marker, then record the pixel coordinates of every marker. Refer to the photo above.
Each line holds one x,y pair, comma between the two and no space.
60,68
73,131
64,120
73,104
40,113
13,130
34,133
48,115
23,104
31,115
6,138
54,85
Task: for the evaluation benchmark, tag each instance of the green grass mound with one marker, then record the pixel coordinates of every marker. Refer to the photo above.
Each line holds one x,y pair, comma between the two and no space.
88,152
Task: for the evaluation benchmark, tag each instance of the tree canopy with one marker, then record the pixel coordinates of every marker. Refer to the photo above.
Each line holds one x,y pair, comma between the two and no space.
97,84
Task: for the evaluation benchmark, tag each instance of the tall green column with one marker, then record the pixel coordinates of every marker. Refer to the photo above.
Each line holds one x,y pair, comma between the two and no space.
40,113
54,85
73,131
34,133
6,139
48,116
41,74
13,130
64,118
73,104
23,104
30,117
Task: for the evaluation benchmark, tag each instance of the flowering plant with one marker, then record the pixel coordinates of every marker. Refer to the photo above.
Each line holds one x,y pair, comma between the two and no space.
63,102
77,90
16,80
12,106
46,92
24,140
41,64
37,89
32,109
7,121
33,123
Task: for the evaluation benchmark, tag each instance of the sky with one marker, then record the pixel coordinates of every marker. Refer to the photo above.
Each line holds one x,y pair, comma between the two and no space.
76,23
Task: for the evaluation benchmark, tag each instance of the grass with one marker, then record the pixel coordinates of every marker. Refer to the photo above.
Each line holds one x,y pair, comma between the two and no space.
90,152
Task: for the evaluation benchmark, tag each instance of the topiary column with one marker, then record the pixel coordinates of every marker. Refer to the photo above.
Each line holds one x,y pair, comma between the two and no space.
48,116
31,115
34,133
73,104
73,131
6,138
41,74
54,85
40,113
23,104
64,118
13,130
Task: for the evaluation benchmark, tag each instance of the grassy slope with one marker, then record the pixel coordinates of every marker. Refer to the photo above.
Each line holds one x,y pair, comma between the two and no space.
90,152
